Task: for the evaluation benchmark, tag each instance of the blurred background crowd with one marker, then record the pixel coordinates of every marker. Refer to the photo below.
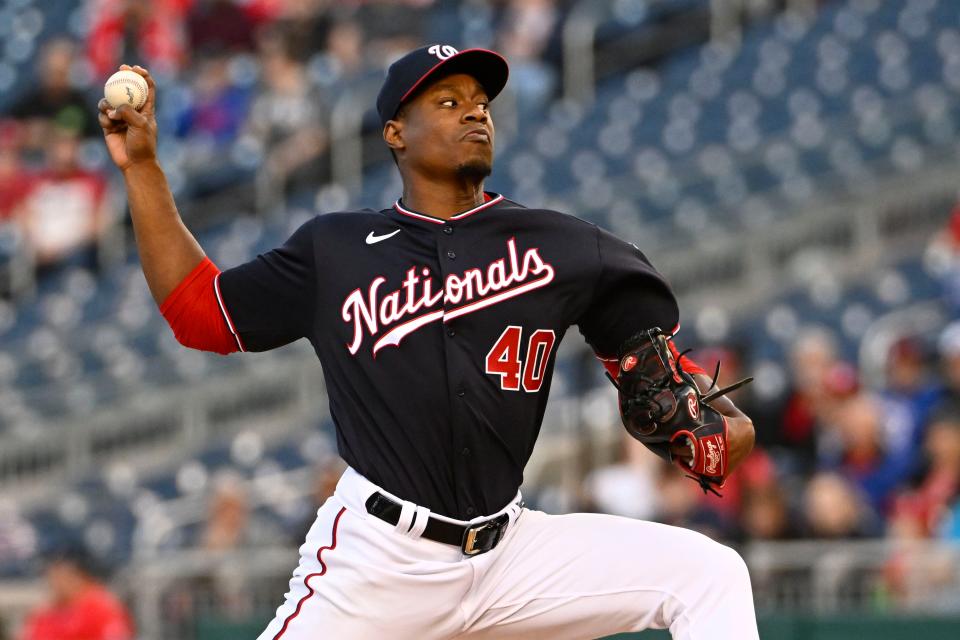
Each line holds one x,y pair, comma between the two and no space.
790,166
248,89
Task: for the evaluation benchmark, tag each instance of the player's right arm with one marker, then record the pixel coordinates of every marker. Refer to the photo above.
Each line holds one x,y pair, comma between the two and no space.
168,251
260,305
181,278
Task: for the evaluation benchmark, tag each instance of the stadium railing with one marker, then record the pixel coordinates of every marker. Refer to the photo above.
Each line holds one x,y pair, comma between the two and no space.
152,428
860,230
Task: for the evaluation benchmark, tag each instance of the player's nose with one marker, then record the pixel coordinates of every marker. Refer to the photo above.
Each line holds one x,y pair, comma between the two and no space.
476,113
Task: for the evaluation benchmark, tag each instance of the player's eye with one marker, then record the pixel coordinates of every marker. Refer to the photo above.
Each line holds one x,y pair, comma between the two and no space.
448,102
484,106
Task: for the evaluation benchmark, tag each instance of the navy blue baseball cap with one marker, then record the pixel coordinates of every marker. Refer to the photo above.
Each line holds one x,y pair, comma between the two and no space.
411,72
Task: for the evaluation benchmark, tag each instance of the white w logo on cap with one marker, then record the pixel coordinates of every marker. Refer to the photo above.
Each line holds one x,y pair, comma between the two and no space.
442,51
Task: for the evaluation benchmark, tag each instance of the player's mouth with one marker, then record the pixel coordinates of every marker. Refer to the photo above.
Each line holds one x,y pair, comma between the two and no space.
478,135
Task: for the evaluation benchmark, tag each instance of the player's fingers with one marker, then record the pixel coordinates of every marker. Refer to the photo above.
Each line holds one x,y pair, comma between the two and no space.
129,115
111,125
108,125
148,106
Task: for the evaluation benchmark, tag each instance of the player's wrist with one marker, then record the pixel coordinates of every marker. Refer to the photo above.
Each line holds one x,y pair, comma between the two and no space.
146,167
741,436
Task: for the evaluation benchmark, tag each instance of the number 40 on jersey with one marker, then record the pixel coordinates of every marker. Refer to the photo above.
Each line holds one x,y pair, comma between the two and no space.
504,359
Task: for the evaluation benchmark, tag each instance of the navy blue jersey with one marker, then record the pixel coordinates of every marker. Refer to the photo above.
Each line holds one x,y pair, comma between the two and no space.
437,337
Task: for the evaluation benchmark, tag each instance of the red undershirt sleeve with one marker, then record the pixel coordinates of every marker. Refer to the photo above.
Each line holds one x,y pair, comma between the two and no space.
196,314
686,363
611,365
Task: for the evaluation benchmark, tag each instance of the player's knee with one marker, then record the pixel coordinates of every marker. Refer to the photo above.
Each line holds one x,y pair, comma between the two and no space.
719,565
730,570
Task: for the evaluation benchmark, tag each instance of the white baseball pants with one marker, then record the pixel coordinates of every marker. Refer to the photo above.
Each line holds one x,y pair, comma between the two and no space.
577,576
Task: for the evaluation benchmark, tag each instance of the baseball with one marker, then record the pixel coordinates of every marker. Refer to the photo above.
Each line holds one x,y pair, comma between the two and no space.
126,87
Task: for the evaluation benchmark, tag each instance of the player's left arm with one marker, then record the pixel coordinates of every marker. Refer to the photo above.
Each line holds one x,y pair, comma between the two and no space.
628,295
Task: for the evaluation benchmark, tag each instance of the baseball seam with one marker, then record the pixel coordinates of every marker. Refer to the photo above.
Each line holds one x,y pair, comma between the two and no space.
141,90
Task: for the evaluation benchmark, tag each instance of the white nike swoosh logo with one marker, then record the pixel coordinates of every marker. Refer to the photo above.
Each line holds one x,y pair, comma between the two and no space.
373,239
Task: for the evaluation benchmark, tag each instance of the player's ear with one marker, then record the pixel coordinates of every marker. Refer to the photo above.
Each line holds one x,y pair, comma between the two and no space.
393,135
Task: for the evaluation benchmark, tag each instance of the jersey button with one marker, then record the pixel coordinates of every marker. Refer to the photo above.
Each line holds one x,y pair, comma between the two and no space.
451,332
448,230
465,452
461,393
471,511
451,255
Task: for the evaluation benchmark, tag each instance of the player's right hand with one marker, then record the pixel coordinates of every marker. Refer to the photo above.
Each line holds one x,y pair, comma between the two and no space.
131,135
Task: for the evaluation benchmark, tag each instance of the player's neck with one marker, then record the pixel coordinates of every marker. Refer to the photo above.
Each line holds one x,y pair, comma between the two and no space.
442,200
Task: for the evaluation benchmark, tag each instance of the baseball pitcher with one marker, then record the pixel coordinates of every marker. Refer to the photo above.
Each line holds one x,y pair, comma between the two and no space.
436,321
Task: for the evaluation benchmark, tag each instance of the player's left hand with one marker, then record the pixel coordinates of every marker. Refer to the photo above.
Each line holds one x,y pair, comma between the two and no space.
740,431
665,408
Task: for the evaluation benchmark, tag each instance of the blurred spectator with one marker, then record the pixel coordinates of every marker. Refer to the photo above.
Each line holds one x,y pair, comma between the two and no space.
18,540
54,100
264,11
525,31
863,456
345,46
949,349
833,508
765,514
217,27
681,504
927,507
216,108
80,608
343,61
325,480
306,25
14,186
943,253
950,528
756,473
67,208
14,179
151,34
629,486
393,27
794,425
230,526
907,401
916,574
229,522
209,123
286,120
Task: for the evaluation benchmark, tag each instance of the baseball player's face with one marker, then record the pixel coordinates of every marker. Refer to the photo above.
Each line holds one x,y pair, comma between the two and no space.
447,127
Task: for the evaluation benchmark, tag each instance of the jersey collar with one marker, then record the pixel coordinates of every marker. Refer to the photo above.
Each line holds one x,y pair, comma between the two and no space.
491,200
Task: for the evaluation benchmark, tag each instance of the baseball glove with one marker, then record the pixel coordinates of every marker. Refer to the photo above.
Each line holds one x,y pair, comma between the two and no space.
662,407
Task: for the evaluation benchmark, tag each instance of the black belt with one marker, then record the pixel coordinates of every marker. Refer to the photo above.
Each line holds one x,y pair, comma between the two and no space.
474,539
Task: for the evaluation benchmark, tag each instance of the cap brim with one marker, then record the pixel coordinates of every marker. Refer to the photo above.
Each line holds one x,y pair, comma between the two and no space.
488,67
